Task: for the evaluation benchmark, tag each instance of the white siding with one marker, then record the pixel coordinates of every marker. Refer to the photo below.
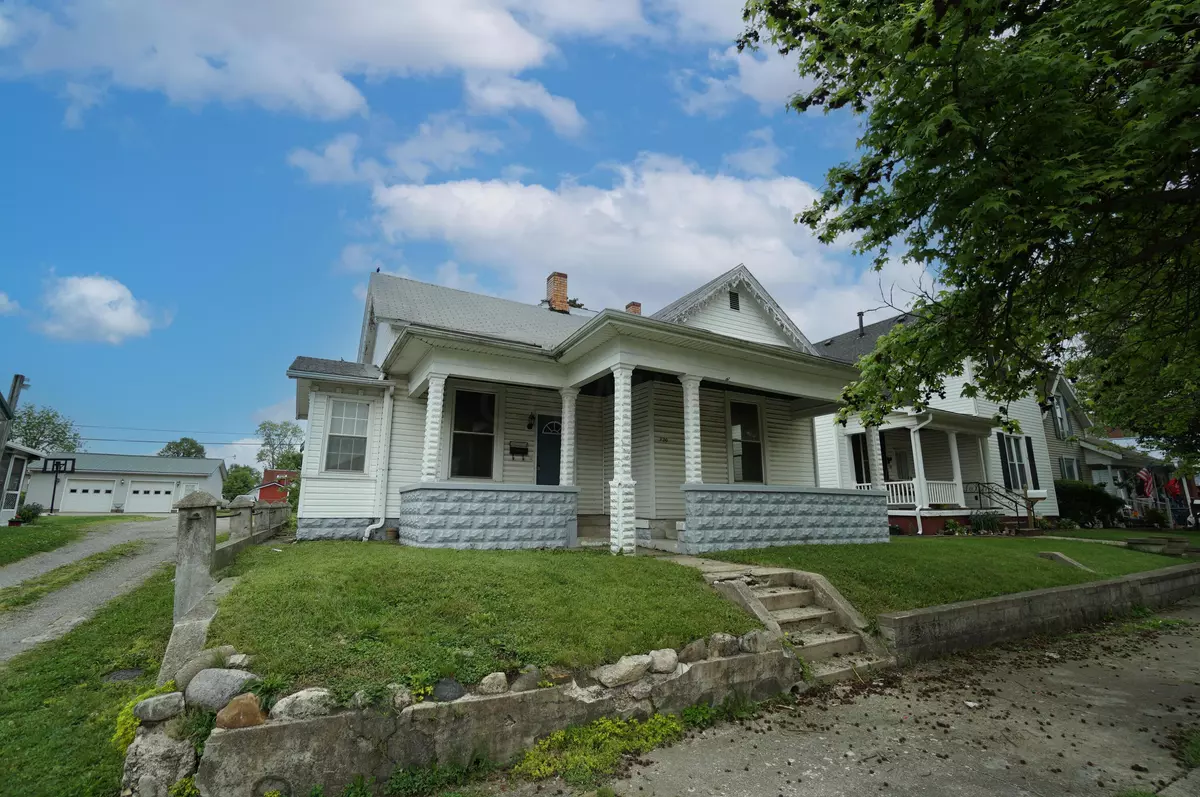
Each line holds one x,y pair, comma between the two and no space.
408,440
385,336
668,450
643,449
593,453
338,494
969,456
826,436
935,452
751,322
1027,412
519,402
789,446
714,438
954,400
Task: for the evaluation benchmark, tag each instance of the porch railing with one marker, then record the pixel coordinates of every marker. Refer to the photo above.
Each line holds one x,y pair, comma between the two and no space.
942,492
904,492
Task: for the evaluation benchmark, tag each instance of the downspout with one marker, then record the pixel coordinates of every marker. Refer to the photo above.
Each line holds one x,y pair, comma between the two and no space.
918,428
386,458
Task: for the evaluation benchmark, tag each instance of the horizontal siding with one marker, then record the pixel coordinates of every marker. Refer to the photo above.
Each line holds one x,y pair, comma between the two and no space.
955,401
826,436
714,438
1062,448
592,439
970,457
642,450
751,322
1027,412
789,446
519,402
668,450
408,443
338,495
935,453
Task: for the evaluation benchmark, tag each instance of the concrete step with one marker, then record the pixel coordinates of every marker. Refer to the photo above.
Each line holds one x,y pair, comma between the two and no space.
775,598
849,668
802,617
823,643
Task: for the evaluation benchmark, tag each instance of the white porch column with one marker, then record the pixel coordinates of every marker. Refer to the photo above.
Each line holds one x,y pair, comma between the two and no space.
566,463
918,467
957,467
433,427
622,533
692,463
875,457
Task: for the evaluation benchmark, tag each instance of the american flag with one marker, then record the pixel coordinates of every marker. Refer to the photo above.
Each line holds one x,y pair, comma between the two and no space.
1147,479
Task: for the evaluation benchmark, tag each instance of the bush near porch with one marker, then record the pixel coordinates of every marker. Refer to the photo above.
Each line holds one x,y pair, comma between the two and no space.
351,615
912,573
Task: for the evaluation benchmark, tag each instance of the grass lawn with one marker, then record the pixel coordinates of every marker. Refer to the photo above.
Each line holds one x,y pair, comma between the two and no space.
910,572
50,532
39,586
1128,534
361,615
56,715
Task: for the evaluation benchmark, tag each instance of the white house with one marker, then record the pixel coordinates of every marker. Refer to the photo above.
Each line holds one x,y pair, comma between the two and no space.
938,464
472,421
13,465
86,483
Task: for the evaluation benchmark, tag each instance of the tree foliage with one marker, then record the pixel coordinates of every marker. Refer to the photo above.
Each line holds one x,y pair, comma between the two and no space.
290,460
239,480
45,429
1038,158
278,438
183,447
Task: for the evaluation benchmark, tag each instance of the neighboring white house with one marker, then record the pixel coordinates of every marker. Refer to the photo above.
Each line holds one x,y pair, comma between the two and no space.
941,463
472,421
13,465
92,484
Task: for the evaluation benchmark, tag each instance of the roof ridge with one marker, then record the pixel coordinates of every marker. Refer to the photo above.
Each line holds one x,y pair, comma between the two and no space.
458,290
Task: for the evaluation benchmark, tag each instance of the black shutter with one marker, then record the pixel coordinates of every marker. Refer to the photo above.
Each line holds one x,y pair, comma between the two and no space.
1004,461
1033,479
883,454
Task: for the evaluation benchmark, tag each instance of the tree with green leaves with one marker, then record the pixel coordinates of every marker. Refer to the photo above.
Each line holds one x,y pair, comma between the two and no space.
1038,159
183,447
45,429
278,438
239,480
290,460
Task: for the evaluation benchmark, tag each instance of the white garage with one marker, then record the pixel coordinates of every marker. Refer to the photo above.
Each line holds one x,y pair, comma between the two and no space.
88,495
93,484
150,496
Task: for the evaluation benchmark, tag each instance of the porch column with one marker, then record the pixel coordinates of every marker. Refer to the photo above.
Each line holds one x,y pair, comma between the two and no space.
875,457
954,463
692,468
919,467
433,427
566,462
622,525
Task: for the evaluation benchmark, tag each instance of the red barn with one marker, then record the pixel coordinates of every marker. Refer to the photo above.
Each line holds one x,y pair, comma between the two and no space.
275,485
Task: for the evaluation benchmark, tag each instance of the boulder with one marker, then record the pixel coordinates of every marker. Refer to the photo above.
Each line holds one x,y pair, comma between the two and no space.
494,684
239,661
401,697
447,690
696,650
527,681
214,688
360,700
641,690
304,704
159,707
627,670
664,660
155,762
241,712
204,660
760,641
722,645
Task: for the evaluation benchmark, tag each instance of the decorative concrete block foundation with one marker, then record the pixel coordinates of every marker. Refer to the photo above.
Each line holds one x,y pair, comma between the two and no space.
722,517
331,528
486,516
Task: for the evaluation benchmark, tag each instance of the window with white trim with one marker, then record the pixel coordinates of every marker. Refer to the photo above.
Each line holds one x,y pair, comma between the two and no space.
473,435
1070,468
346,443
745,437
1018,471
1062,418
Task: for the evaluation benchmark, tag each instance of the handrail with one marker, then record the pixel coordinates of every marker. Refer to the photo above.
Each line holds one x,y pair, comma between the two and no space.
1003,495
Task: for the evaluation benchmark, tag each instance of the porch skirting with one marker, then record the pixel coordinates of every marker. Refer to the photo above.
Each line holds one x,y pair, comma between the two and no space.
722,517
332,528
487,515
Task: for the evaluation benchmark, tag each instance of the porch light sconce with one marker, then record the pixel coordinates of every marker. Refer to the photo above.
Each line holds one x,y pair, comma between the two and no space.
530,421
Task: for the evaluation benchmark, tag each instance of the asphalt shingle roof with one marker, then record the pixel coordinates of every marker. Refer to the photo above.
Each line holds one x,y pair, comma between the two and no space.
405,300
849,346
141,463
316,365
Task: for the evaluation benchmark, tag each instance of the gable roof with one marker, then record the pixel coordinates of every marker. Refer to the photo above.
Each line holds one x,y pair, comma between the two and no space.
849,346
397,299
317,366
142,463
678,311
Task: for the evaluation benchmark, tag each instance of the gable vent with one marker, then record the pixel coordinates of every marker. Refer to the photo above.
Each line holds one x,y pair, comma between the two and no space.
735,301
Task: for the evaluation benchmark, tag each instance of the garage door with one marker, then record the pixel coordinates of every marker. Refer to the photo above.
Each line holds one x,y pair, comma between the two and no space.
147,496
87,495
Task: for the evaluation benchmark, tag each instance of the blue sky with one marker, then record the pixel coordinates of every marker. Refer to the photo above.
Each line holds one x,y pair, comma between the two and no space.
195,192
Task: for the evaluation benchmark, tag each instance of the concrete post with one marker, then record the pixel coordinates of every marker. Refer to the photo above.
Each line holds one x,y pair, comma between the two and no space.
566,462
240,522
693,470
431,451
622,537
194,550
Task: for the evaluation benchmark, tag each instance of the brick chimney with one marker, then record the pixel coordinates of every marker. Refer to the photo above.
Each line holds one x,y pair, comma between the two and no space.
556,292
634,307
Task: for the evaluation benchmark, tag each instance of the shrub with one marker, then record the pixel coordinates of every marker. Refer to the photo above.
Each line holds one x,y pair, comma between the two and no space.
1156,517
953,528
127,724
985,522
700,715
424,781
359,788
30,512
185,787
1065,524
1086,503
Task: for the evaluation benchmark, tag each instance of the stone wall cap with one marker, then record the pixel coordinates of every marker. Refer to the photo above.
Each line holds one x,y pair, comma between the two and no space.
241,501
198,500
499,487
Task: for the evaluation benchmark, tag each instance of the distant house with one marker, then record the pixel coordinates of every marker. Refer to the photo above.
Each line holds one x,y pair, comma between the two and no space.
275,484
91,484
13,466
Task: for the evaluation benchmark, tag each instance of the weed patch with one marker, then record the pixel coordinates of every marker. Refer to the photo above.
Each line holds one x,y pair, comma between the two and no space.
426,781
583,755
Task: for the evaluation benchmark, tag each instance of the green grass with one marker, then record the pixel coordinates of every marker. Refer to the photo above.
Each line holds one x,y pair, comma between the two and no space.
1187,748
584,755
50,532
367,614
57,716
910,572
38,587
1127,534
222,537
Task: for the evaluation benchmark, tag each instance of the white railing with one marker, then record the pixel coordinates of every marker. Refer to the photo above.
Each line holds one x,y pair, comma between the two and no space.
864,486
942,492
904,492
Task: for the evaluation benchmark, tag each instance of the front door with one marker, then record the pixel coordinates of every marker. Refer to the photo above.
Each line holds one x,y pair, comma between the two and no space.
549,448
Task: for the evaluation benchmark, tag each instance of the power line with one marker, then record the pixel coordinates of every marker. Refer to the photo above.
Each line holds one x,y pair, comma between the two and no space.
209,443
146,429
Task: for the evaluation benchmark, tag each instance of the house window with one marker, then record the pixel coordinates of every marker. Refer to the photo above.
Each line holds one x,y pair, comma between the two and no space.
735,301
745,434
1062,418
1070,468
346,446
1018,471
473,435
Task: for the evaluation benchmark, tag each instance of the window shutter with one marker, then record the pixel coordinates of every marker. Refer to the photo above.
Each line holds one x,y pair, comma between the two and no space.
1004,461
1033,477
883,453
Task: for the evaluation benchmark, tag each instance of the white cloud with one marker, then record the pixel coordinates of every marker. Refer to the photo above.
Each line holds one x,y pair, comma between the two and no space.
80,97
94,308
284,410
440,144
337,162
703,20
496,93
660,229
760,158
768,78
243,451
8,306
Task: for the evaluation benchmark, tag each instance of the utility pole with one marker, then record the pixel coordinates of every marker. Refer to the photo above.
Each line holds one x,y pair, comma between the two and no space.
8,408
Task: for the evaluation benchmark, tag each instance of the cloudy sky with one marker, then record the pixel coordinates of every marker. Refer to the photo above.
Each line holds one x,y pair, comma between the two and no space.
195,191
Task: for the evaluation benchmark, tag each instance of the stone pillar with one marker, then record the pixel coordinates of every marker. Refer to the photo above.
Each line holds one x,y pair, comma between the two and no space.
433,428
241,523
956,466
197,538
622,515
692,460
918,467
566,462
875,457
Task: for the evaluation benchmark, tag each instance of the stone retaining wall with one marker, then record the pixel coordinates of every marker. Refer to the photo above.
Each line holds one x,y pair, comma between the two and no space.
722,517
937,630
461,515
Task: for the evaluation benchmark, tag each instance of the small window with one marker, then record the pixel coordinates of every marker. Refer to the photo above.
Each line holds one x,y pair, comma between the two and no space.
108,492
474,435
346,446
1017,471
137,492
1070,468
745,433
1062,418
166,492
158,492
74,490
735,301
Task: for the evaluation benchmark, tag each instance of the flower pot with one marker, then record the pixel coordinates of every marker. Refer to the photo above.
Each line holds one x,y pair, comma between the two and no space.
14,522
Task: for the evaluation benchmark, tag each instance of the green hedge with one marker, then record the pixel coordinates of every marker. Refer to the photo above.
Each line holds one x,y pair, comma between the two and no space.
1086,504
